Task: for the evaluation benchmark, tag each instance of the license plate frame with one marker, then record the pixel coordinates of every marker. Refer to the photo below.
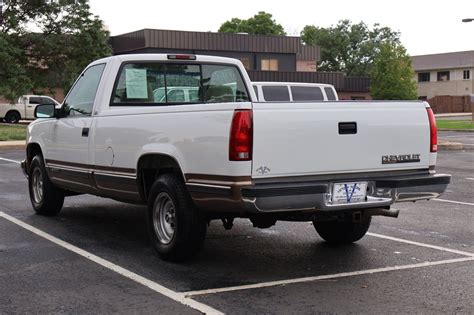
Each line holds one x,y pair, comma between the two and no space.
349,192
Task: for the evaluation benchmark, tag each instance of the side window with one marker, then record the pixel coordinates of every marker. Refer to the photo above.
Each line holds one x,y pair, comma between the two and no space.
35,100
223,84
80,100
276,93
47,101
256,90
330,94
307,93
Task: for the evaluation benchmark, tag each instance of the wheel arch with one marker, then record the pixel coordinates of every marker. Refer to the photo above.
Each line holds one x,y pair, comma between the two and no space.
12,111
150,166
32,149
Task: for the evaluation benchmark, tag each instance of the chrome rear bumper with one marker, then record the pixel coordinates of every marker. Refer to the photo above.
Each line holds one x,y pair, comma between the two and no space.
316,195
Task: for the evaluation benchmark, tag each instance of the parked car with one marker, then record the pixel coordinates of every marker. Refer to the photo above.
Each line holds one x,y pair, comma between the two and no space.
24,108
294,92
227,156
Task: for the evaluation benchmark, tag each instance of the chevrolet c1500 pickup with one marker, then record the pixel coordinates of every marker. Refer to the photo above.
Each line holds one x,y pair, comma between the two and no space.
185,135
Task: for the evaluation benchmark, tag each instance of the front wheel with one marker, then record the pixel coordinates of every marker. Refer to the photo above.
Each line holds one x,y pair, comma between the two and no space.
344,230
45,198
12,117
175,227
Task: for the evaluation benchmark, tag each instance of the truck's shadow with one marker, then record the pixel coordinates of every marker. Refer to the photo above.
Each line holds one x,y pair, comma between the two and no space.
117,232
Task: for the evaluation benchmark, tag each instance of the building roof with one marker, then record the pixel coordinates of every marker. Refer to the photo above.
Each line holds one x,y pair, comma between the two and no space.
452,60
153,38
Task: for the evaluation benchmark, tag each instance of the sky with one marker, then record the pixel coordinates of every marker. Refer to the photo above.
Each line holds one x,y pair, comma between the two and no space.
426,27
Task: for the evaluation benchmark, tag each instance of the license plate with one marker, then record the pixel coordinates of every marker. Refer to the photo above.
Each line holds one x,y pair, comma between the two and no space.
354,192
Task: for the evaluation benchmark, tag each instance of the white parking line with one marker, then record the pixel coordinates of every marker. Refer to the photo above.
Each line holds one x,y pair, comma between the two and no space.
470,178
8,160
401,240
326,277
176,296
458,202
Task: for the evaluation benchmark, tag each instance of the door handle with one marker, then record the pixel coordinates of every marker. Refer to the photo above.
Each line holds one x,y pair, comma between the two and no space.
85,132
347,128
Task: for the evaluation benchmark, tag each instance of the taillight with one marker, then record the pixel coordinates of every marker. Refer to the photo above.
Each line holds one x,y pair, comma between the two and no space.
433,131
241,136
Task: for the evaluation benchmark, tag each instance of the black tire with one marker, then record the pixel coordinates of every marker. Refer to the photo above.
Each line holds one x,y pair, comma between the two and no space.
12,117
343,231
45,198
175,226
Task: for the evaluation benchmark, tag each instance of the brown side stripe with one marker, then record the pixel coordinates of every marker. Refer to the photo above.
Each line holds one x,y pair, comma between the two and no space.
124,170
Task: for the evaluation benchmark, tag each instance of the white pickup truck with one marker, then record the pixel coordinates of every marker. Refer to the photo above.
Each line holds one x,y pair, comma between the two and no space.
224,155
24,108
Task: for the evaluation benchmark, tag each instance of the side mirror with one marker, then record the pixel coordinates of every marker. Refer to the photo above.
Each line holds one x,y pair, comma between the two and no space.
45,111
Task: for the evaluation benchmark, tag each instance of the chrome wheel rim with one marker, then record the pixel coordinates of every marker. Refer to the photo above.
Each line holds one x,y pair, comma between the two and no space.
37,185
164,219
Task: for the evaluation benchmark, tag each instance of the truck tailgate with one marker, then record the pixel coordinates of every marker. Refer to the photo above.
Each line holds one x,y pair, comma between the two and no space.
292,139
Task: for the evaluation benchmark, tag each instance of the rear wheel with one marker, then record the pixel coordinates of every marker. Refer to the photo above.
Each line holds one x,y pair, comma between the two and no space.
12,117
45,198
344,230
175,227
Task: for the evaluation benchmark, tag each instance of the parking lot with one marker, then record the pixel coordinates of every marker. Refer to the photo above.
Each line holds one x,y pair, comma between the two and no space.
94,257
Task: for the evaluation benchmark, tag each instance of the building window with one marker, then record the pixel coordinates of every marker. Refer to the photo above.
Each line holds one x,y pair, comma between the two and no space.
269,65
246,63
424,77
466,74
443,75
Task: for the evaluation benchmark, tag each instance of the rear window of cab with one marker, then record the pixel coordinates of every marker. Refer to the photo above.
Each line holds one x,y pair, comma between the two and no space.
154,83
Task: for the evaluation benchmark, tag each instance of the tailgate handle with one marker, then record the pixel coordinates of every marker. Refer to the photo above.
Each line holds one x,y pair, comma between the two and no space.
347,128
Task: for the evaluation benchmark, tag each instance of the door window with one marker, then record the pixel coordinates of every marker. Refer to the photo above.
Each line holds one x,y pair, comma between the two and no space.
35,100
80,99
47,101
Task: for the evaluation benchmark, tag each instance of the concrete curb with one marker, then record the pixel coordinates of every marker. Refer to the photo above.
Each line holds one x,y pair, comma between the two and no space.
457,130
453,114
450,146
12,144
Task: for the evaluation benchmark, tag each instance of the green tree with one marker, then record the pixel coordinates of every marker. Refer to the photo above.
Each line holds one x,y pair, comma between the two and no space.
347,47
261,23
392,77
66,38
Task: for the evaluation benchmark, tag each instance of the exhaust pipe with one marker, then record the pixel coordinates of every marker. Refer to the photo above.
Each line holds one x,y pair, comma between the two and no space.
393,213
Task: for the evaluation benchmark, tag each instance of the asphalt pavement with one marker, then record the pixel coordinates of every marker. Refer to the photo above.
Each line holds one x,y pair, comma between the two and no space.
94,257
